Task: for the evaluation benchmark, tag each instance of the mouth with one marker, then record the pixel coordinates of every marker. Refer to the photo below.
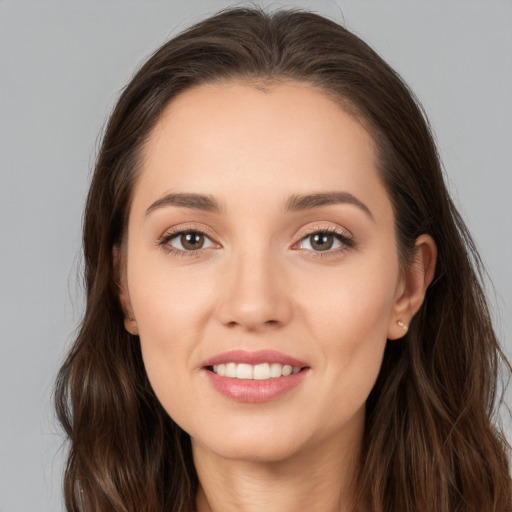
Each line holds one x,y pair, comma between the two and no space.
255,376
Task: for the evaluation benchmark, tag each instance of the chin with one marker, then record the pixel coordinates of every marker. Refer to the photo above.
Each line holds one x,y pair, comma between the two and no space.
256,444
256,452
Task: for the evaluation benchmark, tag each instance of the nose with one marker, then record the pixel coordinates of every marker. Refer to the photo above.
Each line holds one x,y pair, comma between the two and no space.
254,294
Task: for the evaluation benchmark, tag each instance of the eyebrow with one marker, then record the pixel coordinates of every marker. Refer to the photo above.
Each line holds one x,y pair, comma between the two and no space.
300,202
194,201
295,203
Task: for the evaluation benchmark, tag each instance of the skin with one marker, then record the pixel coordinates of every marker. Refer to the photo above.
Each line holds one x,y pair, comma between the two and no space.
258,283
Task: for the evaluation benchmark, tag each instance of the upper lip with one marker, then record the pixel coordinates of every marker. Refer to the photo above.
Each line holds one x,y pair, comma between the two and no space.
253,358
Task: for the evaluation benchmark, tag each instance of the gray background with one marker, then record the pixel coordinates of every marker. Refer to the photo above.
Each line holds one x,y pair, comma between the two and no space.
62,64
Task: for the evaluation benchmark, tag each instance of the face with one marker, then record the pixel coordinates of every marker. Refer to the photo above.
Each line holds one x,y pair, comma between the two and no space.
261,242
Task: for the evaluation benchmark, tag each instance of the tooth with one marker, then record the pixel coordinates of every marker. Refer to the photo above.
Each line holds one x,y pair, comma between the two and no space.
287,370
275,370
244,371
231,370
262,371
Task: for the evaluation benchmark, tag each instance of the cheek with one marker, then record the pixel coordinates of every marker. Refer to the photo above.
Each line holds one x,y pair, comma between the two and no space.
168,303
353,306
164,314
172,307
350,323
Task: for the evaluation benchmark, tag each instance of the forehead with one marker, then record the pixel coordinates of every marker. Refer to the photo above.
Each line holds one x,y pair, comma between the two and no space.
268,113
252,142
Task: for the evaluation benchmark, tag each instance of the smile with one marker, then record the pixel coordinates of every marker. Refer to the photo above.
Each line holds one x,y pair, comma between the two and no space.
261,371
255,376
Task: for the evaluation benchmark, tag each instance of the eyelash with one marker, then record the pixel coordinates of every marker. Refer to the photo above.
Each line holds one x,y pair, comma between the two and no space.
346,240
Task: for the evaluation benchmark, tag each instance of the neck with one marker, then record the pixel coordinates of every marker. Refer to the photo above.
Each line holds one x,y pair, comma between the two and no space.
318,478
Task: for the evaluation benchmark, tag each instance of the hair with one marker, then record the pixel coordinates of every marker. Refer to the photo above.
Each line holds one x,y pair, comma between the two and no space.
430,443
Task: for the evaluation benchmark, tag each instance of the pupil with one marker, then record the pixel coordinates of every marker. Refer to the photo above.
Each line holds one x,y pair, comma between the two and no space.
322,241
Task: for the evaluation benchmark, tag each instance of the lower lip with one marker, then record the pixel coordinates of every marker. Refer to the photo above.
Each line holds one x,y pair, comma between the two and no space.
255,391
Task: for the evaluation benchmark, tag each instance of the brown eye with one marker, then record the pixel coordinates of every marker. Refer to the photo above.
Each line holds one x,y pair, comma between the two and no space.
322,241
187,241
326,241
192,241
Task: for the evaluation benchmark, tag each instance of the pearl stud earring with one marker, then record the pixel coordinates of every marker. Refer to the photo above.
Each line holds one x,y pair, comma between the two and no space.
401,324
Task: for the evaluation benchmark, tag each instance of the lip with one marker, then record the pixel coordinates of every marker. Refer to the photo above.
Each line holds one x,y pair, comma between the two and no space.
253,357
254,391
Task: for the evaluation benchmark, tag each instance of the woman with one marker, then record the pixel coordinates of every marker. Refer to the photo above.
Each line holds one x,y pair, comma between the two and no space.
284,308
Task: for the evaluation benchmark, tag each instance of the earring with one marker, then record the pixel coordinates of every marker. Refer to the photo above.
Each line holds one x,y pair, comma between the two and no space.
401,324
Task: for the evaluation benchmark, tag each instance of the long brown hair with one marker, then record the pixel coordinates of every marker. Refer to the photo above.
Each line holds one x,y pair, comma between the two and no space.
430,441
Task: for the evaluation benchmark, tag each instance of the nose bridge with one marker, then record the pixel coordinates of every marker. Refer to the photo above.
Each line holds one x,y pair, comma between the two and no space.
254,292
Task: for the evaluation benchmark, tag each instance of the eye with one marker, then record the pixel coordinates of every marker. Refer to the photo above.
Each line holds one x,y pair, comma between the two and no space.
189,242
180,242
326,240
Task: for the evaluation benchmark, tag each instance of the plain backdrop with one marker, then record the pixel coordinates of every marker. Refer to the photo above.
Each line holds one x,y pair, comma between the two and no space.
62,65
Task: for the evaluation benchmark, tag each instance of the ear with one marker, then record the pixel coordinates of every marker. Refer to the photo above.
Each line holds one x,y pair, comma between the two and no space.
130,324
413,286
